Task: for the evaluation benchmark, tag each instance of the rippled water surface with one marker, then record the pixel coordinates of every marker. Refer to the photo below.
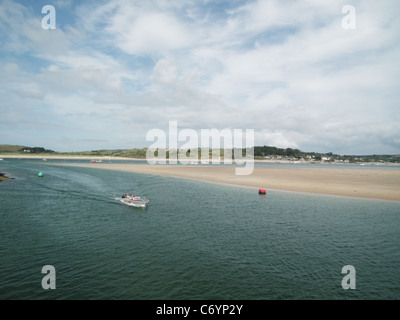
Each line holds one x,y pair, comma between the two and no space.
195,240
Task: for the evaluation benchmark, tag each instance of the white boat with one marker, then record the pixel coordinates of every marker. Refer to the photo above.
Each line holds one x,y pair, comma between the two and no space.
134,201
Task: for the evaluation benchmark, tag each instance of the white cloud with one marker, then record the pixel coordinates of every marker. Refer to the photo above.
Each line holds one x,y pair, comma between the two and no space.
164,72
149,33
279,139
63,4
284,68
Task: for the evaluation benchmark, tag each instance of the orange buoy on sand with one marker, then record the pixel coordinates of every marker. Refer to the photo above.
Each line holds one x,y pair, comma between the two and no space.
262,191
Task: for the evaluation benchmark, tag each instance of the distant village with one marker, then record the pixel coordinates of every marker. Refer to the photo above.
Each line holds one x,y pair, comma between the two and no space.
318,158
295,155
334,158
265,153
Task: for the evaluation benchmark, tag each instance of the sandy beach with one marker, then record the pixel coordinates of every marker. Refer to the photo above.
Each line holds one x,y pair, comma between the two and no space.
363,183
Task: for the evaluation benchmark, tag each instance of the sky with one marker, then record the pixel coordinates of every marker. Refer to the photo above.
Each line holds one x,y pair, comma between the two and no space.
308,74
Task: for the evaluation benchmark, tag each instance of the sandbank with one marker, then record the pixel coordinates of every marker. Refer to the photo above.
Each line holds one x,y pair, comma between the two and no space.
374,184
4,178
66,157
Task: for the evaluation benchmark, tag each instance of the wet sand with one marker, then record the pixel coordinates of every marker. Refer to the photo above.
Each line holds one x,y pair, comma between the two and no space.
4,178
363,183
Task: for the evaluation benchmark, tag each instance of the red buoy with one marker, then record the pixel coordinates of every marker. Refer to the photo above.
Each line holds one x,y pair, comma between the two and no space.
262,191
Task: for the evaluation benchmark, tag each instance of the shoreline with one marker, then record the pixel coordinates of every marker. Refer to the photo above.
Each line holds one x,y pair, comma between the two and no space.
67,157
110,158
367,184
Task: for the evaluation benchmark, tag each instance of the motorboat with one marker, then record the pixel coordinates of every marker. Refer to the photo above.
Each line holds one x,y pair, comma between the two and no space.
134,201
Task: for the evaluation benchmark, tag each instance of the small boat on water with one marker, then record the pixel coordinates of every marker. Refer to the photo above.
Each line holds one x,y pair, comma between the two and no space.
134,201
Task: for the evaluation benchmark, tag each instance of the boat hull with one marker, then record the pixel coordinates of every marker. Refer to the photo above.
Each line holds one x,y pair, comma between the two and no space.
139,203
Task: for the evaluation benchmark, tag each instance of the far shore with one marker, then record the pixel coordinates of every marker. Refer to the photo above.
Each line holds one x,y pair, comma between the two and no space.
366,183
65,157
111,158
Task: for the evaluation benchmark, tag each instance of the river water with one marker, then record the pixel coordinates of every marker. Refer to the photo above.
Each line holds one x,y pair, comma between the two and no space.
195,240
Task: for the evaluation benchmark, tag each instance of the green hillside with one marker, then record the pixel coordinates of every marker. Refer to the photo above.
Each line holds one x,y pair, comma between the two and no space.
260,152
8,148
16,149
124,153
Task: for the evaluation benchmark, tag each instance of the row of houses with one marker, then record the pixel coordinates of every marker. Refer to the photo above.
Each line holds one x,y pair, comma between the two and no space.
307,158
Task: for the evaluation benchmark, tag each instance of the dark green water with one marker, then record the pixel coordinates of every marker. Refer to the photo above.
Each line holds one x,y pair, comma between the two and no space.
194,241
